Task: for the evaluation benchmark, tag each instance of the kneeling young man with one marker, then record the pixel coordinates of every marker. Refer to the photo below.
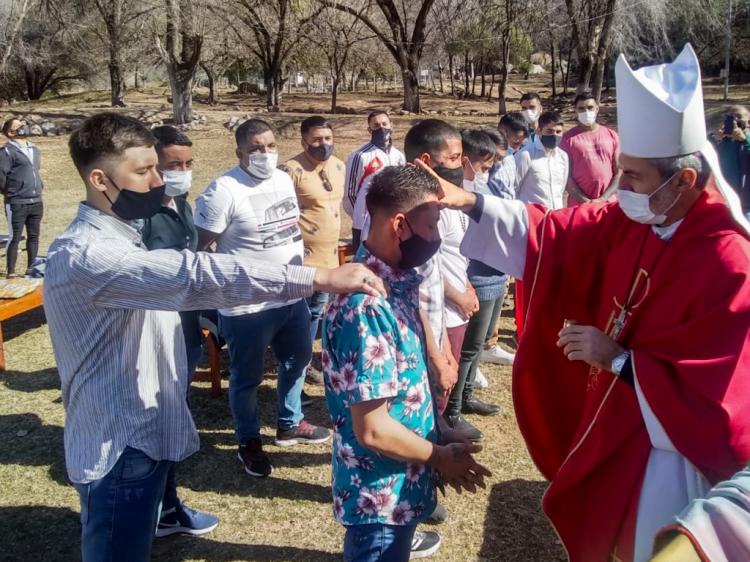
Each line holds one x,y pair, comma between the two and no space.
388,450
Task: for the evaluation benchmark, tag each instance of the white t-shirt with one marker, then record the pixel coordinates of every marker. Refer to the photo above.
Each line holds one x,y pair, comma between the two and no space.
453,264
256,218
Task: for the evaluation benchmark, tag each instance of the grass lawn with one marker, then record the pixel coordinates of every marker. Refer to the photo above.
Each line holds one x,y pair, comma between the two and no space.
287,516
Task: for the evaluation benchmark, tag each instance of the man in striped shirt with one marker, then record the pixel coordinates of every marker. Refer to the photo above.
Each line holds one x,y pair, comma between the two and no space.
112,309
365,162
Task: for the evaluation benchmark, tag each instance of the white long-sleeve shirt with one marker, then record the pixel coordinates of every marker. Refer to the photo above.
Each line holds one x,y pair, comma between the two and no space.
542,175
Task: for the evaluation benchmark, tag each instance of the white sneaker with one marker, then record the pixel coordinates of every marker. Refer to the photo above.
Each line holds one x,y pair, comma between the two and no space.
498,356
481,381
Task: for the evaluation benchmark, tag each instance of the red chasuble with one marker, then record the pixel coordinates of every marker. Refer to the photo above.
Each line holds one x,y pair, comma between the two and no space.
688,332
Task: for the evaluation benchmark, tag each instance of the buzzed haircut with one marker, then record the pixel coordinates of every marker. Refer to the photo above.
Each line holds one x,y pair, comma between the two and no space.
583,96
430,136
497,137
375,113
250,128
550,118
106,135
8,124
477,144
529,96
167,135
514,122
399,189
314,122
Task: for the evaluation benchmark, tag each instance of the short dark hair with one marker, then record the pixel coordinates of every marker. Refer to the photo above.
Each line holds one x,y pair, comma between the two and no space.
497,138
514,122
8,123
430,136
583,96
250,128
167,135
375,113
314,122
399,188
550,118
106,135
477,144
529,96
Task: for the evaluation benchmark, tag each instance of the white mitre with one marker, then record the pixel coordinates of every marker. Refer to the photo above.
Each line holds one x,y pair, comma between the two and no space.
660,114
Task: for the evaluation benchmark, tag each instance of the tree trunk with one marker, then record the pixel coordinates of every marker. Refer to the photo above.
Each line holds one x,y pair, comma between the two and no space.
552,53
212,97
117,84
334,94
268,85
450,73
181,82
440,75
501,105
466,73
473,79
567,68
483,82
410,80
603,48
492,85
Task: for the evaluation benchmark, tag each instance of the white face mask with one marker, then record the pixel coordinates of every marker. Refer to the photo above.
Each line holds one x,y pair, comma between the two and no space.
637,206
587,117
469,185
530,115
177,182
263,164
481,179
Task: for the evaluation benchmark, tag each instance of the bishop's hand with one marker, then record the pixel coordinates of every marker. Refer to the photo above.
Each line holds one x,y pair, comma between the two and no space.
451,196
589,344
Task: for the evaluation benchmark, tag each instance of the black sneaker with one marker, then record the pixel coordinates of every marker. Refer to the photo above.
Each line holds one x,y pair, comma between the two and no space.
461,424
303,433
255,461
473,405
438,515
305,399
424,544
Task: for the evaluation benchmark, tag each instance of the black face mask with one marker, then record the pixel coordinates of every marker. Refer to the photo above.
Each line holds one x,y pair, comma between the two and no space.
320,153
416,251
454,176
381,138
131,205
550,141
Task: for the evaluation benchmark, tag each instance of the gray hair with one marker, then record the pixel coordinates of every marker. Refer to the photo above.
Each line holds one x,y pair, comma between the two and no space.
670,166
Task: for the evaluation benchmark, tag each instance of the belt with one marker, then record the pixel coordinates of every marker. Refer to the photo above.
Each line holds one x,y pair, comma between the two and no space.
23,200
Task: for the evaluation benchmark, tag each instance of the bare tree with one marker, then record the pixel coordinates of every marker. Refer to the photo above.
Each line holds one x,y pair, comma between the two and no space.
16,13
181,52
405,45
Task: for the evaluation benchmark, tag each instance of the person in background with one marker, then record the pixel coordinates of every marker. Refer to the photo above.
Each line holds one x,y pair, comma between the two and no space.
388,450
542,167
503,179
592,150
732,142
515,130
363,163
252,211
318,178
531,109
172,228
479,154
111,307
21,186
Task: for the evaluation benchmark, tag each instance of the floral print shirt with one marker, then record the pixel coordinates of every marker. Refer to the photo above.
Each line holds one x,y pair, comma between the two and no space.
373,349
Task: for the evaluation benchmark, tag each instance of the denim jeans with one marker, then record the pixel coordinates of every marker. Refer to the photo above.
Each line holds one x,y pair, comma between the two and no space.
191,330
317,304
119,512
285,329
378,543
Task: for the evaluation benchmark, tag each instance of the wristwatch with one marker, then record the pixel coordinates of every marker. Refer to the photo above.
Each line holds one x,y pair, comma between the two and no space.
619,362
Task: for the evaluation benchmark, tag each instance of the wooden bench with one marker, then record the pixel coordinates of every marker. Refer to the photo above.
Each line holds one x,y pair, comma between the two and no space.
13,307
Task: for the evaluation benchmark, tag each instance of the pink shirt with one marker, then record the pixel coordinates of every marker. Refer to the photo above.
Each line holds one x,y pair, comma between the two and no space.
592,159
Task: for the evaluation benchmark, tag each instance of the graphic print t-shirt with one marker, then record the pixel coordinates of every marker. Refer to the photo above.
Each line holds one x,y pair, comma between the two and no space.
254,218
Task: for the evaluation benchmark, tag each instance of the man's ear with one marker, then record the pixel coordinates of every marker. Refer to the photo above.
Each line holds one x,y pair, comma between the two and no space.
426,158
96,179
687,179
399,225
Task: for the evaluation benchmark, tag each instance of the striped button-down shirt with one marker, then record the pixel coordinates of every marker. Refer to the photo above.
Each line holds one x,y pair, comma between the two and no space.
120,352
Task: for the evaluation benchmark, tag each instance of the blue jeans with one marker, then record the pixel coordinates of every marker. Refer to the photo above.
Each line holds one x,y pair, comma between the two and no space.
378,542
285,329
317,304
191,330
119,512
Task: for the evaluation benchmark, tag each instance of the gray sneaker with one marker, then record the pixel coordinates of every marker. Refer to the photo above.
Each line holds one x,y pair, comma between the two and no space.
424,544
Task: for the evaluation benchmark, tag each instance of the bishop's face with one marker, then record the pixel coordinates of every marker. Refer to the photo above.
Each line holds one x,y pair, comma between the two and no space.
641,175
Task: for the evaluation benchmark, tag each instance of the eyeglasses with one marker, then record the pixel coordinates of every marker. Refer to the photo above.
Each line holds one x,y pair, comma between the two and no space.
326,182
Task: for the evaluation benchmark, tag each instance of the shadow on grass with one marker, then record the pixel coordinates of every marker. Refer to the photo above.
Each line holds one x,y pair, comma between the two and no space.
38,532
201,548
29,320
29,442
515,528
46,379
